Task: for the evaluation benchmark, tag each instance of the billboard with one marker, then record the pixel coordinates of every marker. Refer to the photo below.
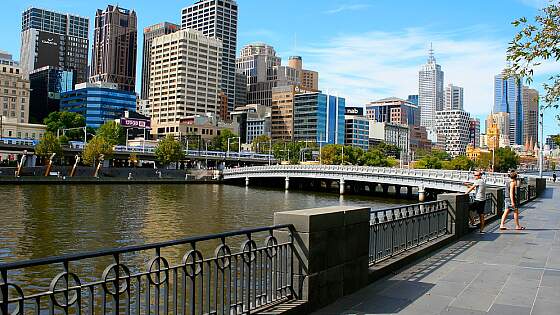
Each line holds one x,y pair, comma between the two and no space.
135,123
354,111
48,50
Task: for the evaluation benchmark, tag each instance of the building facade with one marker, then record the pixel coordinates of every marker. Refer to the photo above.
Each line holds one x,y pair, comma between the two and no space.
150,33
14,128
217,19
240,89
530,100
419,139
453,97
14,90
474,132
282,120
98,102
47,84
54,39
113,59
253,120
396,134
508,99
204,127
413,98
430,91
319,118
186,86
308,79
356,130
393,110
501,121
452,128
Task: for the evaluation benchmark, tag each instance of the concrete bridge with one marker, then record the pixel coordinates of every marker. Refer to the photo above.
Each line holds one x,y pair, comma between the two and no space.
367,178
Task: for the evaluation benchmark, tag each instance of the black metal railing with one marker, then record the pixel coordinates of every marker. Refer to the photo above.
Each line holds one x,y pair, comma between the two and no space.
490,207
522,194
397,230
532,192
198,275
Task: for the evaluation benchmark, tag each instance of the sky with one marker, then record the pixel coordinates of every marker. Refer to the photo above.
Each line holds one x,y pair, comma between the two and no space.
364,50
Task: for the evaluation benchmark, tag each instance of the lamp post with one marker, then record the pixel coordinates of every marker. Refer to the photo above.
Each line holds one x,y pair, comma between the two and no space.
238,145
541,147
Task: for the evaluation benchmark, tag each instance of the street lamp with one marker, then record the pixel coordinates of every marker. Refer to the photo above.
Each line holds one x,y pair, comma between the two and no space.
541,147
238,145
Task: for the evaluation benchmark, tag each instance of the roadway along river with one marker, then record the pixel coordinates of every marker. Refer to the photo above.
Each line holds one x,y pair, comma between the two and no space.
40,220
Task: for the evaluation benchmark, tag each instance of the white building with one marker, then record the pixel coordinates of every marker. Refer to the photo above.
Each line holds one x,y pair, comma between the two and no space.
184,78
430,91
452,127
453,97
143,107
389,133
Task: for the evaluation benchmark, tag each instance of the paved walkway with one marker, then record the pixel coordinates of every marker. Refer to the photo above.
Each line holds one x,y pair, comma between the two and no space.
501,272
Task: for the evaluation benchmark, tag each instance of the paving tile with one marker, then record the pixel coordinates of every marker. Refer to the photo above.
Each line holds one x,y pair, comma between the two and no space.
474,300
447,288
381,305
545,307
407,290
548,294
430,303
500,309
460,311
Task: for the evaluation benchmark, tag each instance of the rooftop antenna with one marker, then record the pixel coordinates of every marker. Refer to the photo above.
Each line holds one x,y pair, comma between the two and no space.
431,57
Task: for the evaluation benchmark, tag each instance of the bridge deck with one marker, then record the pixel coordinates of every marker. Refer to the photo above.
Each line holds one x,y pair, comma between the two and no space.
500,272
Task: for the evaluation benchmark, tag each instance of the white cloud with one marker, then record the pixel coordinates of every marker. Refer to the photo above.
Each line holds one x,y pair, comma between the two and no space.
347,7
373,65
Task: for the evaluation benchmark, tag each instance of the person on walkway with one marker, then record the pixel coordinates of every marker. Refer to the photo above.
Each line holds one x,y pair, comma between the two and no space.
554,177
511,202
479,198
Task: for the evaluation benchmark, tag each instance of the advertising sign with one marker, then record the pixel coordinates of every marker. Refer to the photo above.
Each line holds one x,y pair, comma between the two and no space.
135,123
354,111
48,50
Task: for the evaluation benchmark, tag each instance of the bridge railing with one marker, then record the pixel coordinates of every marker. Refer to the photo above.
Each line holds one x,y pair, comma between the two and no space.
228,273
400,229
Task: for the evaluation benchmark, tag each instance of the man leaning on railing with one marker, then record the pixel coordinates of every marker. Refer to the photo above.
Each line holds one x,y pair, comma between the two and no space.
479,202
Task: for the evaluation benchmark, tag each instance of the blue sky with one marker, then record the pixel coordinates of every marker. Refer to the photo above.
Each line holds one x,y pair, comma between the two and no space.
363,50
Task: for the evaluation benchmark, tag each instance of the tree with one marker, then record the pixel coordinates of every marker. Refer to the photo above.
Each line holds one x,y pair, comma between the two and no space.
261,144
169,150
484,161
48,145
63,120
330,154
459,163
376,157
389,149
112,132
505,160
429,162
96,147
440,154
536,42
220,142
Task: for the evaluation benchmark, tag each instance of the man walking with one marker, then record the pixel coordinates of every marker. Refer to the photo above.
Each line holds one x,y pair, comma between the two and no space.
480,197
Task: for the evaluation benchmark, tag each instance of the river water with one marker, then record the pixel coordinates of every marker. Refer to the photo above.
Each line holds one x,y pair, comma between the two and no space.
39,220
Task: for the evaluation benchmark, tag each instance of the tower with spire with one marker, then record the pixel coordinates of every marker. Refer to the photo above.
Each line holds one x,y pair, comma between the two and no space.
430,91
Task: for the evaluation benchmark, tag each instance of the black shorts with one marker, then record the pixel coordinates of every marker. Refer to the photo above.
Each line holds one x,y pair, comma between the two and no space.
478,206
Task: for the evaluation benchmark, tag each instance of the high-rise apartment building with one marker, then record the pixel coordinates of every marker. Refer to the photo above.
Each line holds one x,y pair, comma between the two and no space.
453,97
452,129
150,33
113,57
508,99
218,19
430,91
14,90
309,79
47,84
264,72
393,110
319,117
530,100
474,132
187,84
54,39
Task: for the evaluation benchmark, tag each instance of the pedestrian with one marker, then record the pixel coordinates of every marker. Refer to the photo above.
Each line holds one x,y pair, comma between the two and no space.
554,177
511,202
479,203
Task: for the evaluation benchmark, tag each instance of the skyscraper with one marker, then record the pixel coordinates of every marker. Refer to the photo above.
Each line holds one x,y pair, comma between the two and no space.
309,79
508,99
530,100
150,33
474,132
114,48
453,97
430,91
452,129
217,18
47,84
55,39
319,117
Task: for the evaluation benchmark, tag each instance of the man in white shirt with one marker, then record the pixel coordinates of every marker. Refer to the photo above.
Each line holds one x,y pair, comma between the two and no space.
479,203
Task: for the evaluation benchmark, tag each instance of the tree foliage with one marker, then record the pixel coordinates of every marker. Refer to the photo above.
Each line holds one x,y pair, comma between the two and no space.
96,147
220,142
459,163
169,150
63,120
112,132
261,144
48,145
535,42
389,149
429,162
293,152
505,160
333,154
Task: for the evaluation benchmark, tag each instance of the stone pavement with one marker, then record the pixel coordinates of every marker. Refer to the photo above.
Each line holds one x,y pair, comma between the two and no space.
500,272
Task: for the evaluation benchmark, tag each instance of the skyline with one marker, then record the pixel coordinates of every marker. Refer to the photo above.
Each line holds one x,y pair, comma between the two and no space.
358,57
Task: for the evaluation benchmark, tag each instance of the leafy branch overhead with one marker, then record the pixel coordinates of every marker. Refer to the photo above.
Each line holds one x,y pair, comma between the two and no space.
537,41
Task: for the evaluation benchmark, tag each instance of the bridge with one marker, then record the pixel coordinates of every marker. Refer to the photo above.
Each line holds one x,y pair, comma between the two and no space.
367,178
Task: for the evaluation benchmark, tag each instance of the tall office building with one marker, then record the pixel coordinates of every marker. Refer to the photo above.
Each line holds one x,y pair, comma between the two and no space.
264,72
47,84
150,33
309,79
430,91
452,129
113,57
356,129
508,99
393,110
318,118
240,89
54,39
413,98
453,97
217,18
185,88
474,132
14,90
530,100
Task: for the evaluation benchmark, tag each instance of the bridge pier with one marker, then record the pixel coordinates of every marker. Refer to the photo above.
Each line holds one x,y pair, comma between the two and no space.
246,181
409,191
341,186
398,190
421,194
385,188
287,183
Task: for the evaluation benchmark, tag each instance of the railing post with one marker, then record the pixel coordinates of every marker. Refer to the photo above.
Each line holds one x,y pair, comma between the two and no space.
459,212
498,198
4,292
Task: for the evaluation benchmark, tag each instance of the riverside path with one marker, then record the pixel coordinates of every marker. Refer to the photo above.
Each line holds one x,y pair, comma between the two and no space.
499,272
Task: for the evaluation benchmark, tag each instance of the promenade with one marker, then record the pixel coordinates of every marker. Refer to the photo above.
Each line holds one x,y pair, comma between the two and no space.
499,272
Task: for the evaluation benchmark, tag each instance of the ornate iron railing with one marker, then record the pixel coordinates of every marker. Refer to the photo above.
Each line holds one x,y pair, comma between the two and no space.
397,230
198,275
522,194
532,192
490,207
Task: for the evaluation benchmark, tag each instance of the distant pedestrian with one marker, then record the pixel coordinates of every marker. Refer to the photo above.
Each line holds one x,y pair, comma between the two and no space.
479,203
554,177
511,202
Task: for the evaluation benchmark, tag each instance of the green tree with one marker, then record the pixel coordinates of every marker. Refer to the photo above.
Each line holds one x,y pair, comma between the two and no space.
169,150
261,144
505,160
63,120
331,154
537,41
48,145
376,157
220,142
429,162
460,163
112,132
484,161
389,149
96,147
